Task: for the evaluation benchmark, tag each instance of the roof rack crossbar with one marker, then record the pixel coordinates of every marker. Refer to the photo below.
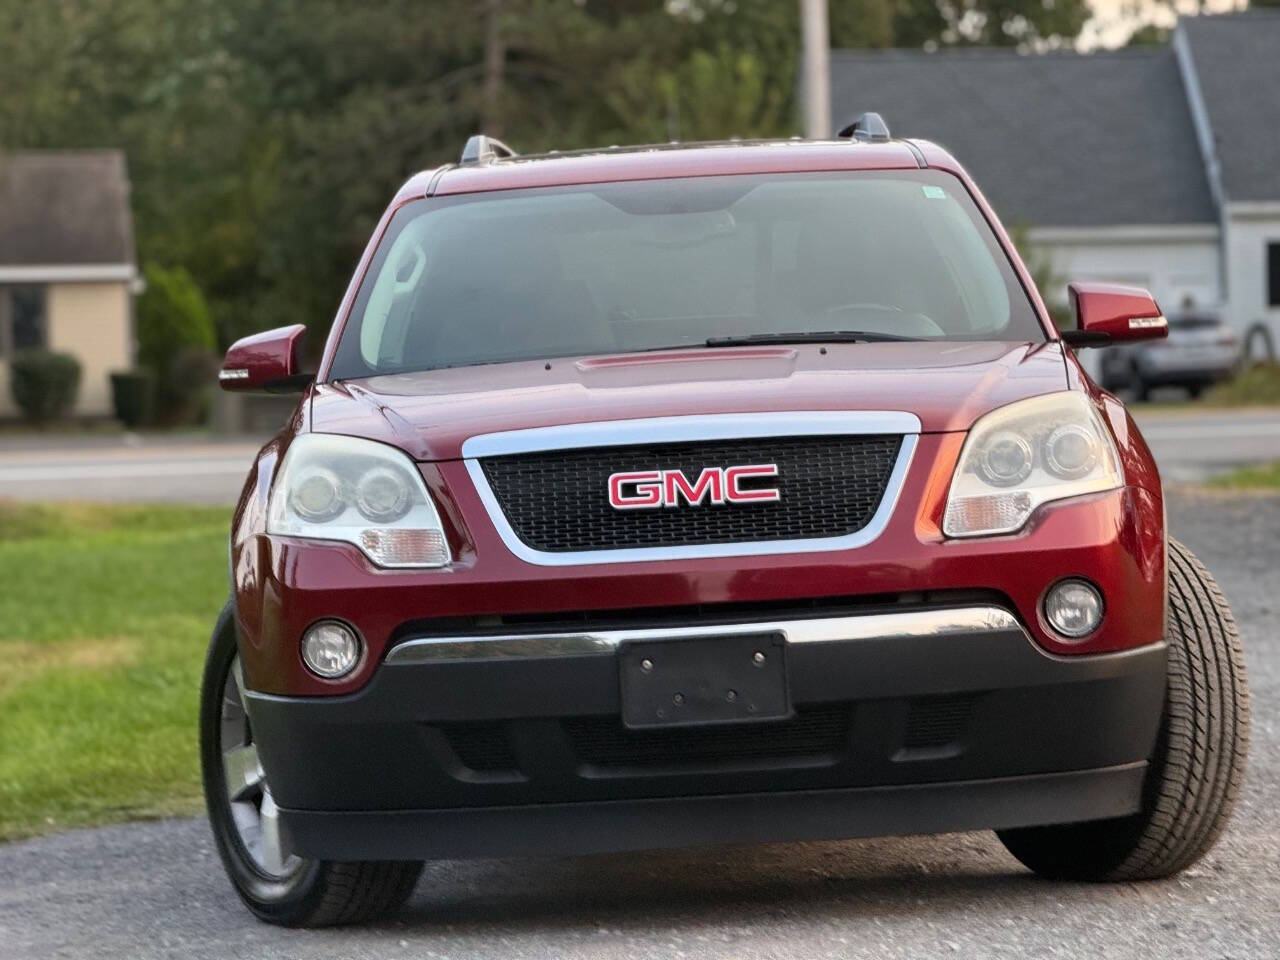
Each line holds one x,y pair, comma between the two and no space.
868,126
483,149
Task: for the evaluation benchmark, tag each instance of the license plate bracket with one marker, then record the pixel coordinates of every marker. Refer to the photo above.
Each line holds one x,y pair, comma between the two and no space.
704,680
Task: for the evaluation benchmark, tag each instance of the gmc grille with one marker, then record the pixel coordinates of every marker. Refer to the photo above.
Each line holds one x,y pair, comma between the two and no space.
557,501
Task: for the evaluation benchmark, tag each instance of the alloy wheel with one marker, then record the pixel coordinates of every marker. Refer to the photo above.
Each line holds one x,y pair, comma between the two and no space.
253,811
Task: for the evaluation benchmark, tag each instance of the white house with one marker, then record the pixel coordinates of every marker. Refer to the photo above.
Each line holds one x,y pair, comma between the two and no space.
1158,166
67,266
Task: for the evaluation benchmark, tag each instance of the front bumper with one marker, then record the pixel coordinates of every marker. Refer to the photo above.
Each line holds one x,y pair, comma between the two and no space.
1115,539
907,720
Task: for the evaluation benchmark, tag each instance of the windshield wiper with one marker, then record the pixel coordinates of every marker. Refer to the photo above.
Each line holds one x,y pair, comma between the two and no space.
807,336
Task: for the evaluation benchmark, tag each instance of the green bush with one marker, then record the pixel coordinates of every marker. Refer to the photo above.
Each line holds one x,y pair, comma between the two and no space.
1258,385
44,384
133,395
1050,285
198,371
174,324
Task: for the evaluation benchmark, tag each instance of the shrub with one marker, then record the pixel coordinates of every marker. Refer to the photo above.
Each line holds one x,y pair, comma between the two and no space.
1258,385
133,395
197,370
44,384
173,323
1051,286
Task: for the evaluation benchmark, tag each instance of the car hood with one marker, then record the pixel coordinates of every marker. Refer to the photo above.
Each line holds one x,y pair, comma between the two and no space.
429,414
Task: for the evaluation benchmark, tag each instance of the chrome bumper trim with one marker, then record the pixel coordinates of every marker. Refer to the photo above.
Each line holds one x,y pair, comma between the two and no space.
849,629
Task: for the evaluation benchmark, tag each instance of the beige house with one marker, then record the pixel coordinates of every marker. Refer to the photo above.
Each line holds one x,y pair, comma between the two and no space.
67,266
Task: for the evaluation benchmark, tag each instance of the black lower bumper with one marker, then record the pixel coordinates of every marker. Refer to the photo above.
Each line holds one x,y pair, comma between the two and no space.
496,747
613,826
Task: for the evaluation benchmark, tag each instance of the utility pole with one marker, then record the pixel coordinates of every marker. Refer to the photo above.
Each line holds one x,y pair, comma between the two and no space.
817,72
495,61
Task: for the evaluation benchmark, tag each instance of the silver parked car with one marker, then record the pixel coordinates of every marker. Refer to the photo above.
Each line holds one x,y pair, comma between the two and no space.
1201,350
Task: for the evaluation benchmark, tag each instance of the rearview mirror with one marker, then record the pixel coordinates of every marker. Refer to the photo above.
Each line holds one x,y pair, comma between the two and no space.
1111,313
267,361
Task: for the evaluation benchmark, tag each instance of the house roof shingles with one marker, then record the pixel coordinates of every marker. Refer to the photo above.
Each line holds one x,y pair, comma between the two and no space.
1054,140
63,208
1237,63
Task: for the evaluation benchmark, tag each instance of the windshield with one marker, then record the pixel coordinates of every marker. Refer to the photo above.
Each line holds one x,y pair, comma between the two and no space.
643,265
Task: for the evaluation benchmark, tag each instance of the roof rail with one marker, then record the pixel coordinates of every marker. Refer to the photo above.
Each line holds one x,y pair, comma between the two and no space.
482,149
869,126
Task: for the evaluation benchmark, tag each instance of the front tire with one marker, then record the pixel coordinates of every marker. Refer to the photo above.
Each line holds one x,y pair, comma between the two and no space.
277,886
1196,770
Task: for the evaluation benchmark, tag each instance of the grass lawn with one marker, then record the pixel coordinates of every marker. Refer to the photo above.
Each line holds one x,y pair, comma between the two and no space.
1263,477
104,617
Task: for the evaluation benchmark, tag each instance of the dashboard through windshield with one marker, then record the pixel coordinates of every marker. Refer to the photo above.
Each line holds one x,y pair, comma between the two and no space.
646,265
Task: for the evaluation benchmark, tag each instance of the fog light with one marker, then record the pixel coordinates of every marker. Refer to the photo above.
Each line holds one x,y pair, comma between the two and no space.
1073,608
330,649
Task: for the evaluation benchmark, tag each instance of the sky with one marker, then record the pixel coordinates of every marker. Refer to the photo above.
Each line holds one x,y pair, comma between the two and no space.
1114,20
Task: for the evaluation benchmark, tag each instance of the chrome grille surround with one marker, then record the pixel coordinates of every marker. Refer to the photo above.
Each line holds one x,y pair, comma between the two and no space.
686,429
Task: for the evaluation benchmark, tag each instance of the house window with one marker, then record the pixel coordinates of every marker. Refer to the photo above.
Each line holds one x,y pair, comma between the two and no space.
1273,274
23,319
28,323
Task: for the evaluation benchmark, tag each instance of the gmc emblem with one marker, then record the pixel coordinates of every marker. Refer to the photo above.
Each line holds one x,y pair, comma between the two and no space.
651,489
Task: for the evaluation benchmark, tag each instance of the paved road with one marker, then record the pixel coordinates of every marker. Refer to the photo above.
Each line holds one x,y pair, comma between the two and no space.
129,469
1192,445
155,890
1189,446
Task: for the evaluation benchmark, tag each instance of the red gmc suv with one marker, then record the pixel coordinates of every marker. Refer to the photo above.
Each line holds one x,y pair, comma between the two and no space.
705,493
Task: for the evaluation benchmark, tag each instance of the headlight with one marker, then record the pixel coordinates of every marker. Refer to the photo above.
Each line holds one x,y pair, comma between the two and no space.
1026,454
359,492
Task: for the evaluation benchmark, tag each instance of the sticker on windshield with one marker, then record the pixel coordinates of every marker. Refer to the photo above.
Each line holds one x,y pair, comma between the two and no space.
934,193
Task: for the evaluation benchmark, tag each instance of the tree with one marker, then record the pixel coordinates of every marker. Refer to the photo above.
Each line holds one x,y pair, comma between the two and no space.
264,137
995,23
1148,35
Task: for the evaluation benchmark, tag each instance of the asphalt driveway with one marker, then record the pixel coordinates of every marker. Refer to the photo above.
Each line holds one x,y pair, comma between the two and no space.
156,890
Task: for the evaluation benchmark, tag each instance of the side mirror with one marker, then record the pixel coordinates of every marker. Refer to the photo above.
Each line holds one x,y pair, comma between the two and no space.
1110,313
267,361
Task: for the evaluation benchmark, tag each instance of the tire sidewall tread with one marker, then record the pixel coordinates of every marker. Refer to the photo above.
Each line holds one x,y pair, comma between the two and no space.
1197,768
322,893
